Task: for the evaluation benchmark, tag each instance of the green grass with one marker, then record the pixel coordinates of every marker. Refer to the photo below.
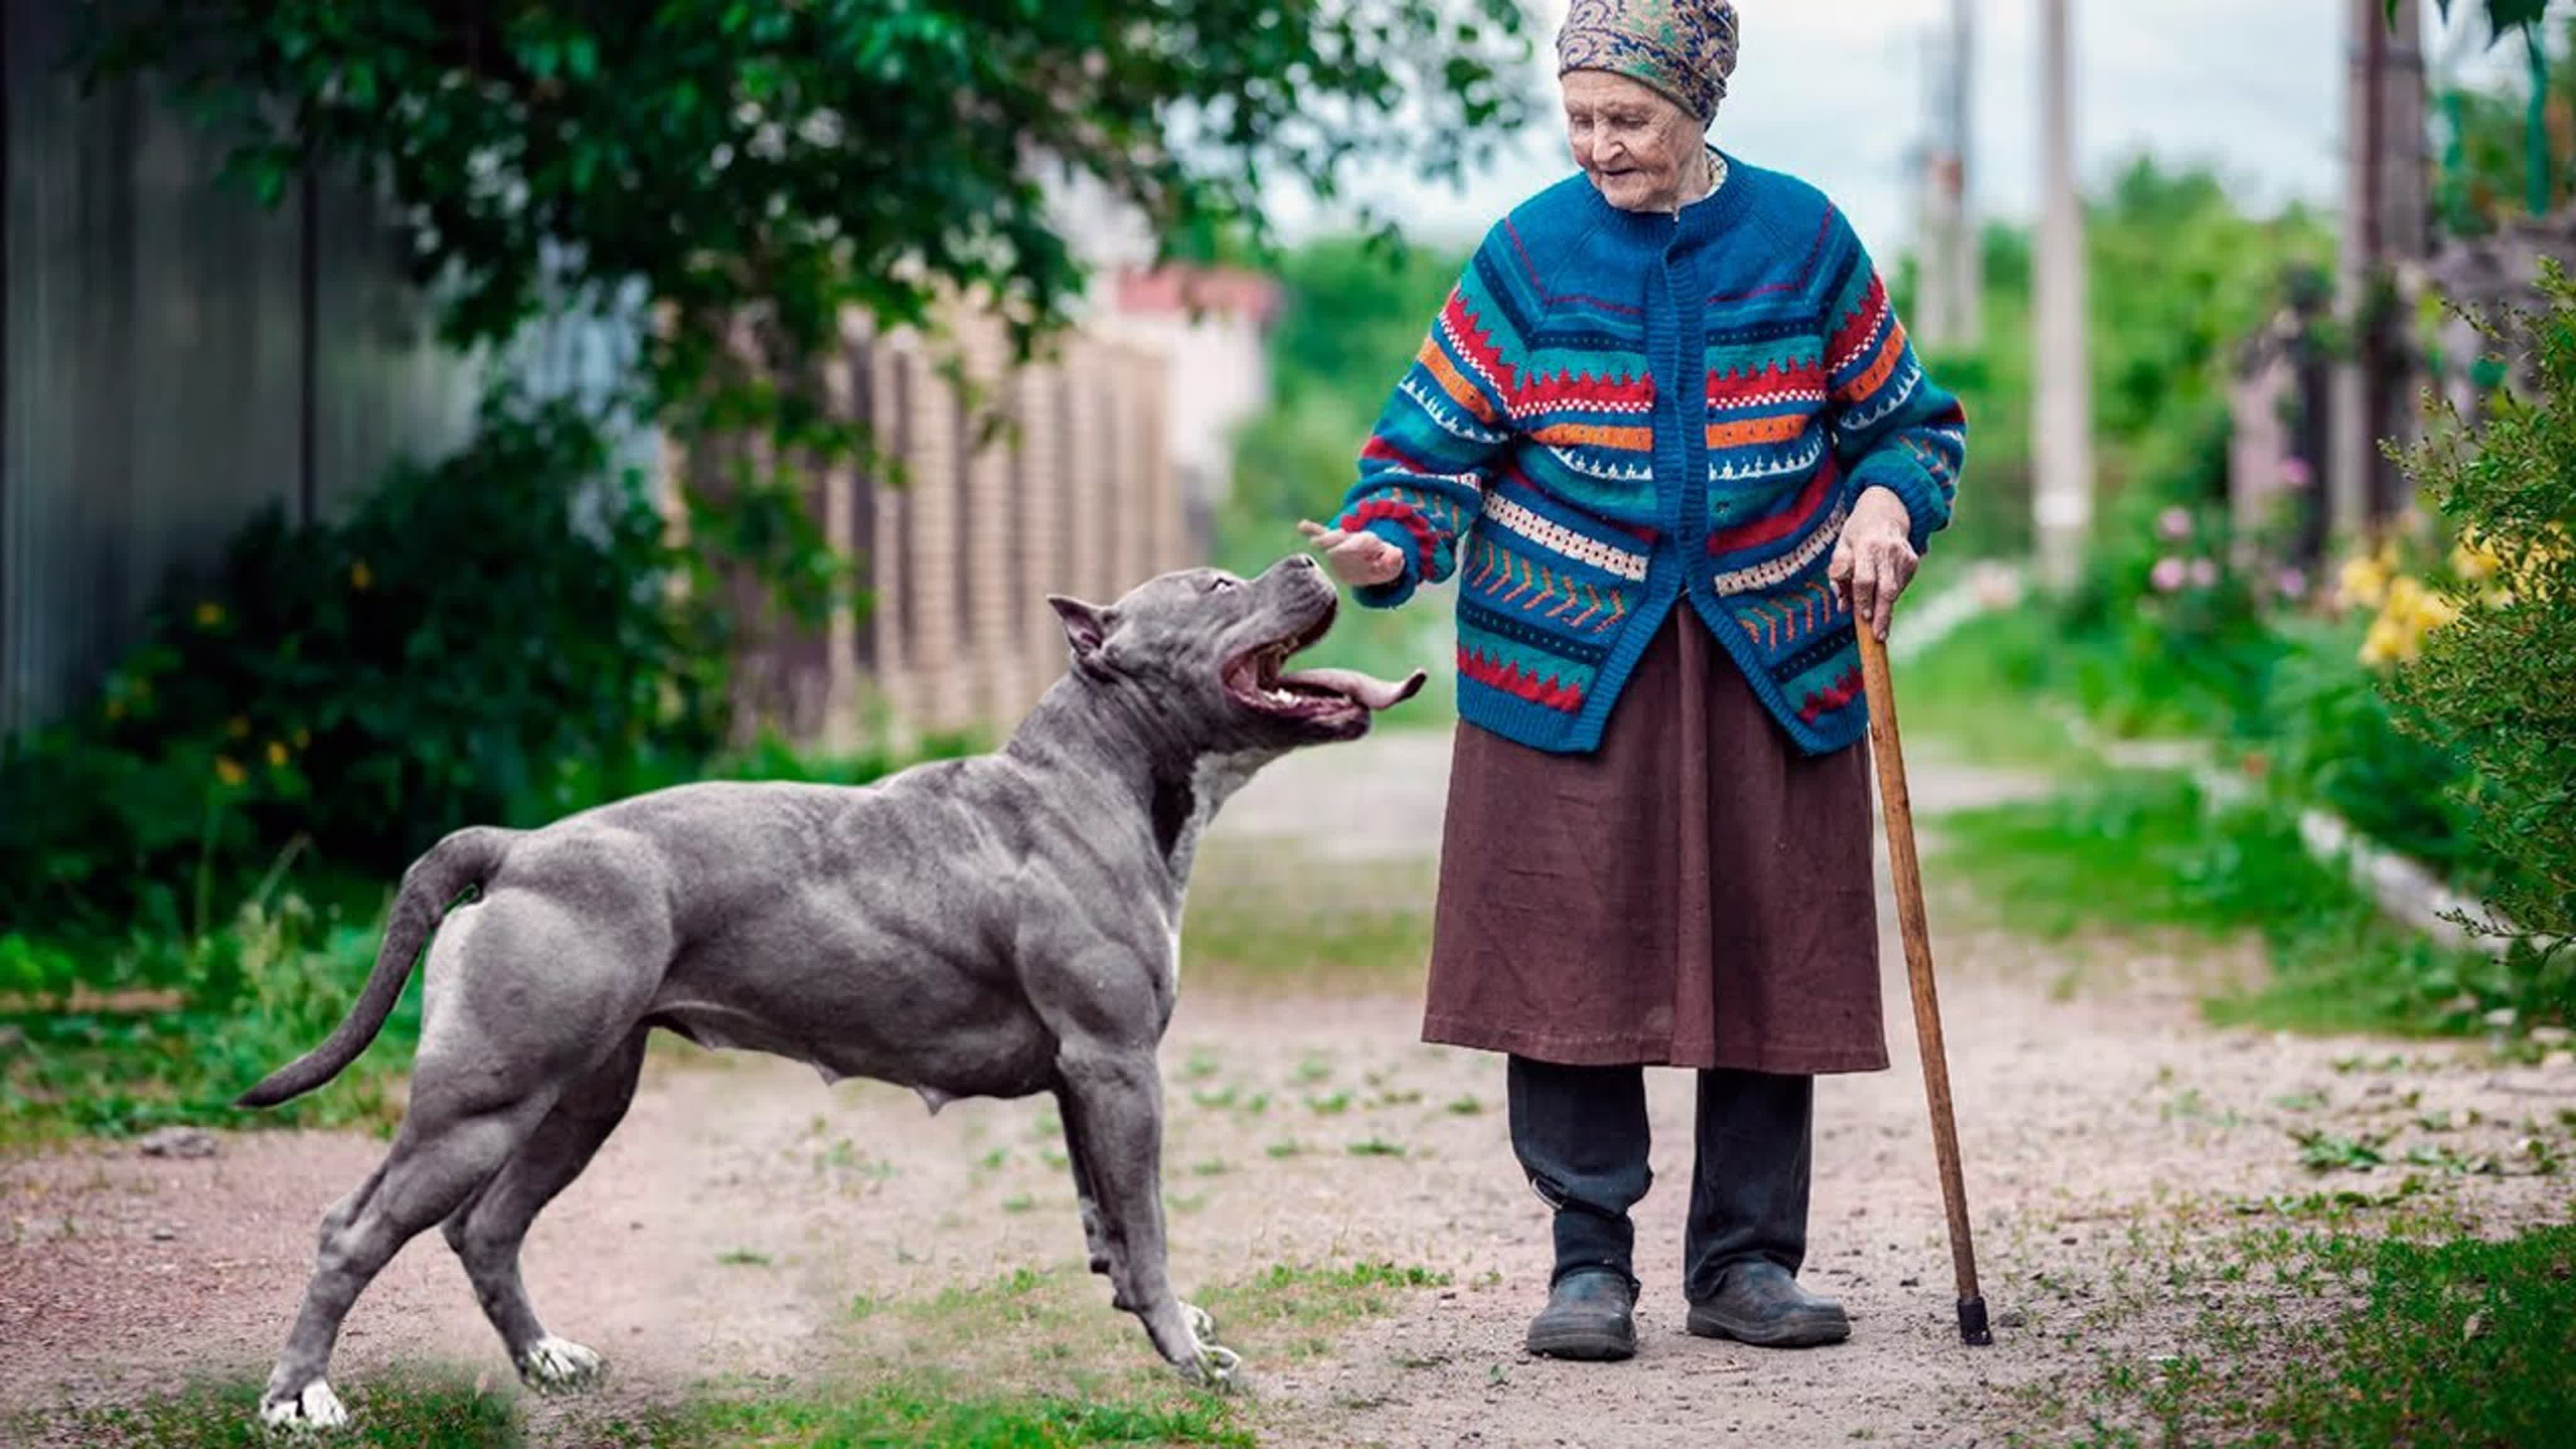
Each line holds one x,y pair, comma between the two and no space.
399,1411
1292,1310
1265,919
931,1413
926,1410
1975,696
1026,1360
2461,1342
2142,852
291,973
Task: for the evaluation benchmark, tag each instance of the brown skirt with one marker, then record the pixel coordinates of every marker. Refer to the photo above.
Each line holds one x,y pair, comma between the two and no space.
1696,893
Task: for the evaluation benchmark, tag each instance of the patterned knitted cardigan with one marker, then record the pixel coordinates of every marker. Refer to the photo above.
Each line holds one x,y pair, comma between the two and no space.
1617,410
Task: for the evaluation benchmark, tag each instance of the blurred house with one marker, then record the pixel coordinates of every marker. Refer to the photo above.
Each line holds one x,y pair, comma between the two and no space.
1114,451
1213,325
2279,395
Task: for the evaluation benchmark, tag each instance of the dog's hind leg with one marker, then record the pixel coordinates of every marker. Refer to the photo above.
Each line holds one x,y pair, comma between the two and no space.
1113,1112
440,1157
488,1230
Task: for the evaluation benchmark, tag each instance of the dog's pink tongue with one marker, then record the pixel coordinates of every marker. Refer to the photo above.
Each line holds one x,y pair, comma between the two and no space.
1371,693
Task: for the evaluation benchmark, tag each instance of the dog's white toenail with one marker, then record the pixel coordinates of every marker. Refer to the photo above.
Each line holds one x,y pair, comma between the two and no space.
553,1364
315,1408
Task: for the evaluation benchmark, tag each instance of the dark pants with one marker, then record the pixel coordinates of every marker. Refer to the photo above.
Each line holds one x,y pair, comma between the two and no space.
1581,1135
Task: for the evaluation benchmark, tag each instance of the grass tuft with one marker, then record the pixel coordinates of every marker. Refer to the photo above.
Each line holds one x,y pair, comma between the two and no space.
2460,1342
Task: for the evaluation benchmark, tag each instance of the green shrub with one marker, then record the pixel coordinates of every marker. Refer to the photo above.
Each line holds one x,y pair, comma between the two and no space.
2167,632
357,689
2336,740
2495,683
251,995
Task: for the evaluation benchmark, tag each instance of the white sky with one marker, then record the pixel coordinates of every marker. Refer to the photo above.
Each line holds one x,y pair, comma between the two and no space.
1832,91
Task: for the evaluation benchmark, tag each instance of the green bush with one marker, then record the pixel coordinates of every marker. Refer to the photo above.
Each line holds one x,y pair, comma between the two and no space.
357,689
250,996
2494,683
2167,631
2333,736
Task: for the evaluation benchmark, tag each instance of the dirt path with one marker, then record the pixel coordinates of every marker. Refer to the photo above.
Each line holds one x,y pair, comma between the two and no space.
732,1223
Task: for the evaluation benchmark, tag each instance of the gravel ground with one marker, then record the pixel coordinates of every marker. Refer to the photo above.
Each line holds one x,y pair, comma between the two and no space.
732,1221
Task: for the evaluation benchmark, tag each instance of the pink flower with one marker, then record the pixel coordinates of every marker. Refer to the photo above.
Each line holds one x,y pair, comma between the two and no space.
2204,572
2292,582
2174,525
2167,575
2295,473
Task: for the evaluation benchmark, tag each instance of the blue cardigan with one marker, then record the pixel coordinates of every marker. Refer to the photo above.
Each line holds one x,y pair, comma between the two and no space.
1615,411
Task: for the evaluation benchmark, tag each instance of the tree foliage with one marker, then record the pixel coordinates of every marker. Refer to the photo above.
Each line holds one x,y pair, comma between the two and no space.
810,156
2493,682
2503,16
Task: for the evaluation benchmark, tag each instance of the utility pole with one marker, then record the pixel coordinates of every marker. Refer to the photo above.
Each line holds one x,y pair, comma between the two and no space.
1967,257
2062,448
2386,221
1947,309
2405,240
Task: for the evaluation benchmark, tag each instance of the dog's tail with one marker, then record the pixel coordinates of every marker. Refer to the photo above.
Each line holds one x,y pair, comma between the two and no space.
461,862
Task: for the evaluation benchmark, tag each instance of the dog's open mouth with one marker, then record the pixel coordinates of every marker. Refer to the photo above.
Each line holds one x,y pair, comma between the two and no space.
1260,680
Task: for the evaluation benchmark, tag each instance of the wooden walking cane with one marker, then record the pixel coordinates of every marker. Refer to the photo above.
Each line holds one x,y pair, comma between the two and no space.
1898,810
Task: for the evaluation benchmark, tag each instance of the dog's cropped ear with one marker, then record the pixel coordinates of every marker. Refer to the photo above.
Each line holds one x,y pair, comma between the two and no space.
1086,627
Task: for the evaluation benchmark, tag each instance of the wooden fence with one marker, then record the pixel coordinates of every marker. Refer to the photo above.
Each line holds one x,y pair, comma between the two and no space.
952,632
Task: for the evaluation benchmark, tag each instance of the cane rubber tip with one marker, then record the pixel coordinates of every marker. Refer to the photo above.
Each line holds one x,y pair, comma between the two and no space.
1972,1322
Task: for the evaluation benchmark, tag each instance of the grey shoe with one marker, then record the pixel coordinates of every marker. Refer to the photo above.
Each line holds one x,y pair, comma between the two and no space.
1758,1302
1589,1315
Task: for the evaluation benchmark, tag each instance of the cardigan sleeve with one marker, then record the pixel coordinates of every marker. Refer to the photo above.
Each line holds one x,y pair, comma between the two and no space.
1423,471
1892,426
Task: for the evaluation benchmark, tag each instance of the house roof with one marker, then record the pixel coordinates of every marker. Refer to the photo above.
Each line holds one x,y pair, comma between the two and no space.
1235,291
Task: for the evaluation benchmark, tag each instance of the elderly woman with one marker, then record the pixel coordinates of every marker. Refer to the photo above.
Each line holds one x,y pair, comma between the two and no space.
1675,446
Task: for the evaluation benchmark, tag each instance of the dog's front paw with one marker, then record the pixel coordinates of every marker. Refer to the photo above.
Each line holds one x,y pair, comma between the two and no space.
558,1365
315,1408
1216,1367
1212,1364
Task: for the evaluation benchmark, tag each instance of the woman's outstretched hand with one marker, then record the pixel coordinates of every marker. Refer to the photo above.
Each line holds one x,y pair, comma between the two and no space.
1357,559
1875,558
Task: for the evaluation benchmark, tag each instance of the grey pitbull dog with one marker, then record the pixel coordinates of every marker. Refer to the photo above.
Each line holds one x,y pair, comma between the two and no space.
997,926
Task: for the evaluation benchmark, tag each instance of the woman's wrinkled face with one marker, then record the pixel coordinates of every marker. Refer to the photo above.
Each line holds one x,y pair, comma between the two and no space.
1638,147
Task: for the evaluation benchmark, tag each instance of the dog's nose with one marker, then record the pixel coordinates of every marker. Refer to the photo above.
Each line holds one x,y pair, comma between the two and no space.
1304,561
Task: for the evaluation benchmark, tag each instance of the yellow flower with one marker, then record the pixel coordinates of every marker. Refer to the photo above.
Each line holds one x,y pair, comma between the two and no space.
227,771
209,614
2403,599
360,576
2471,559
303,739
237,727
2434,610
2386,643
276,755
2364,581
116,709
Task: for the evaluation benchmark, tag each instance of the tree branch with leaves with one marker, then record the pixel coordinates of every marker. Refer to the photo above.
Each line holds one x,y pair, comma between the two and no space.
815,156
